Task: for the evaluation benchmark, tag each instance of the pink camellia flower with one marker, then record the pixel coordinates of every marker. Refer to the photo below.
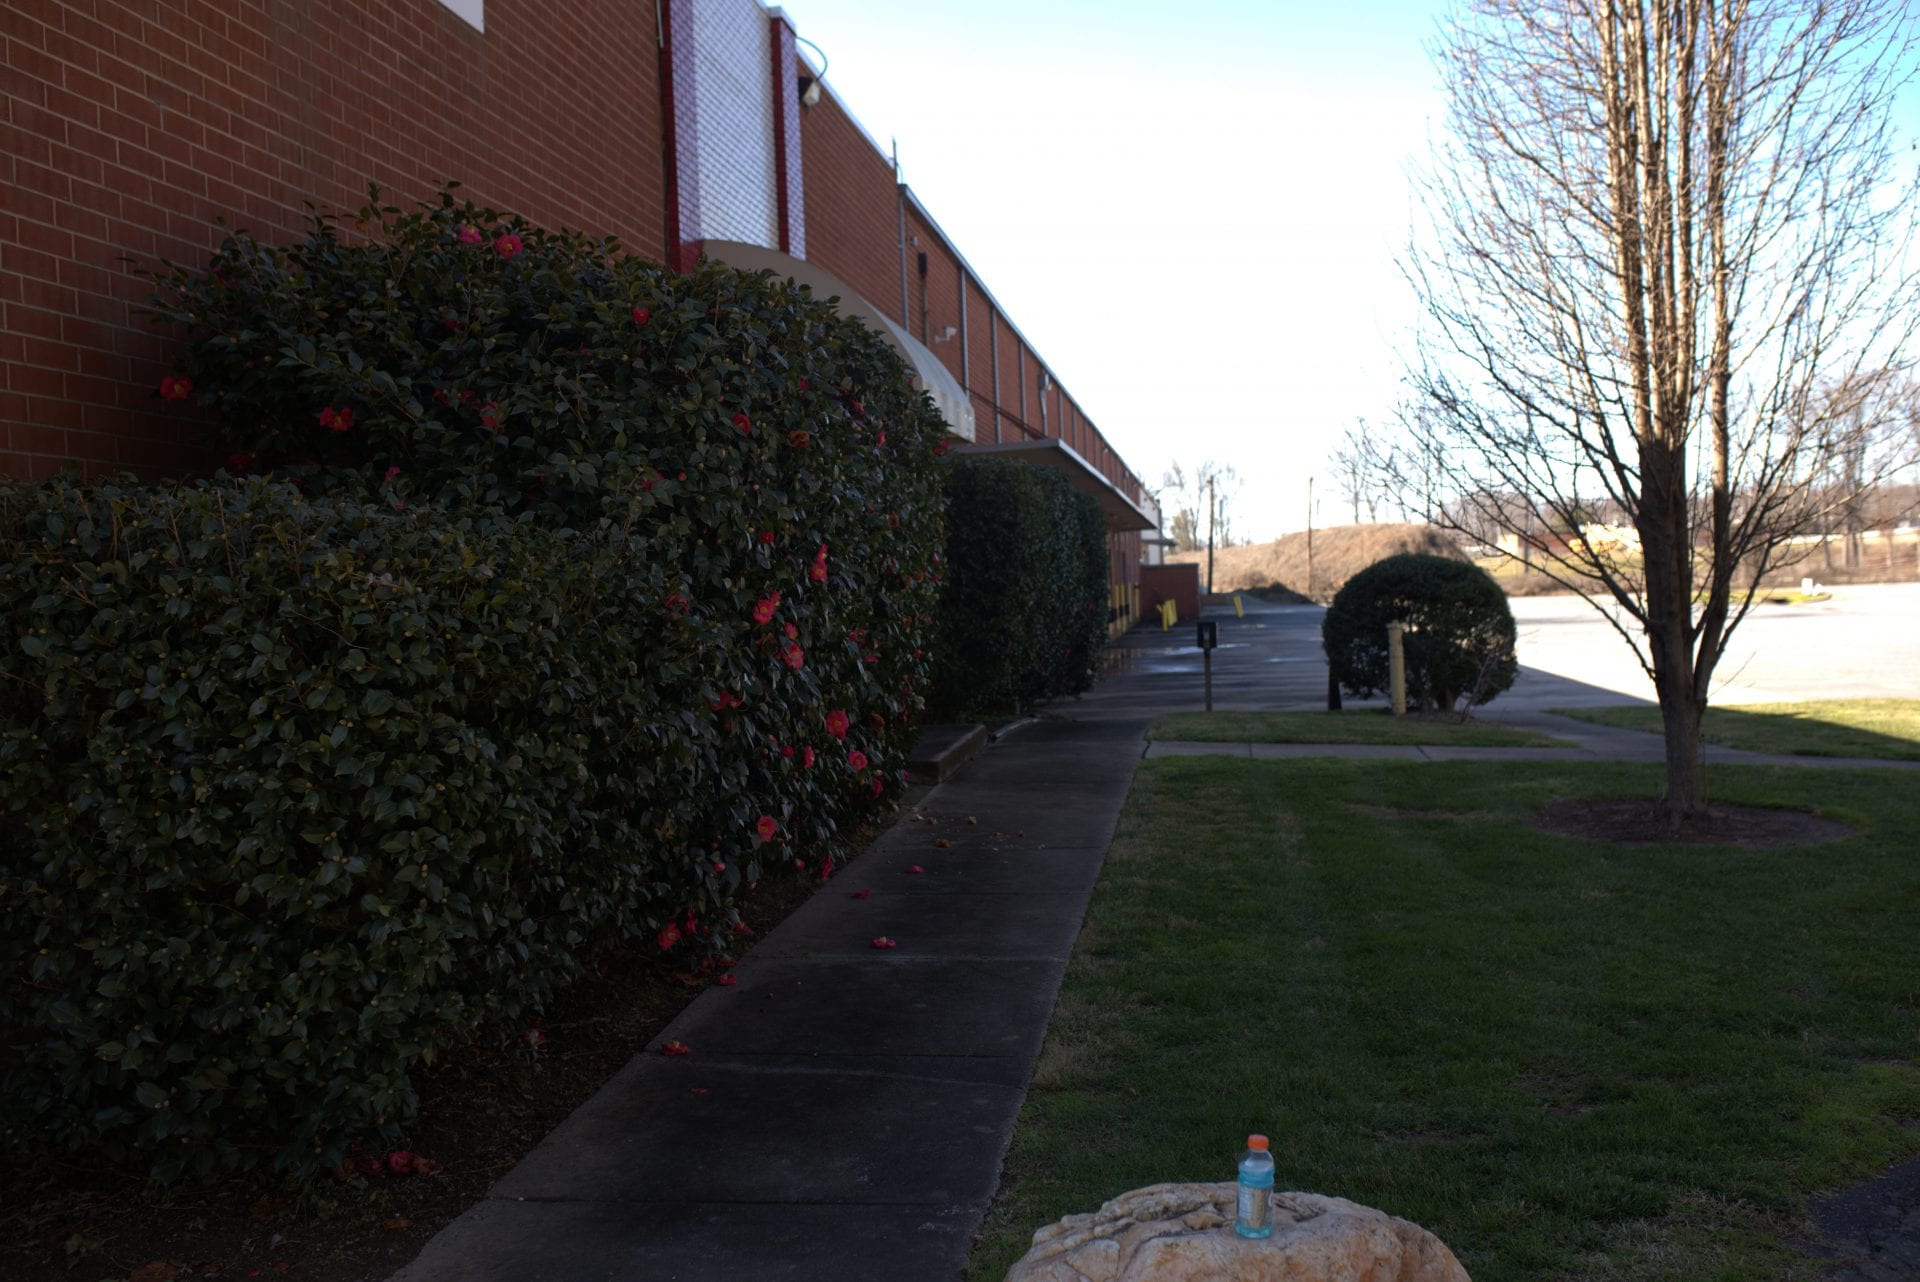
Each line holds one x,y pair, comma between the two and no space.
392,472
879,785
400,1162
470,236
239,462
837,724
175,387
506,245
336,420
806,758
856,761
793,656
766,536
489,415
763,608
766,827
641,315
744,423
677,603
669,936
818,570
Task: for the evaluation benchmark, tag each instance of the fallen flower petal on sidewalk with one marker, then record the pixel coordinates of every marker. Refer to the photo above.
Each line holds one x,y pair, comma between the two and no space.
884,942
916,868
676,1048
863,894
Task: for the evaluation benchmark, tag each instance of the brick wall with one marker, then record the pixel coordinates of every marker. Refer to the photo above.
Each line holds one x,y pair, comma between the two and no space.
852,208
130,125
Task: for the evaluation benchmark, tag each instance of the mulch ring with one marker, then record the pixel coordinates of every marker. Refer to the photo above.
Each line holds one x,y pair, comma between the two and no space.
1640,821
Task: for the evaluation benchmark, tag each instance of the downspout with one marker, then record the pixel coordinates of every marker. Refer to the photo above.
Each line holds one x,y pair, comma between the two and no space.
900,203
966,383
993,334
1045,383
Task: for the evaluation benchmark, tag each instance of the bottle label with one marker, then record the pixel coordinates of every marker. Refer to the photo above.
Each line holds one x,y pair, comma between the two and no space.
1253,1207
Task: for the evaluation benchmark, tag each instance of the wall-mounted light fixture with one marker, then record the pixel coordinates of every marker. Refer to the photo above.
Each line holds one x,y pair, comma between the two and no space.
809,90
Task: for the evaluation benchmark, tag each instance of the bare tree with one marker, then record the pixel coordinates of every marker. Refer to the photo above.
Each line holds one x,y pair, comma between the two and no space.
1656,229
1184,495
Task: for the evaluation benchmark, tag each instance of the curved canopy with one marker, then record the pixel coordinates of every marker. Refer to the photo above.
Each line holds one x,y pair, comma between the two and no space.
932,376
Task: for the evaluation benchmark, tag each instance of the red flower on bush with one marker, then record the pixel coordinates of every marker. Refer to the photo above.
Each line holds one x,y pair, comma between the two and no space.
175,387
727,981
642,315
837,724
400,1162
763,608
489,415
806,758
799,440
793,656
792,631
818,570
856,761
669,936
239,462
879,785
766,536
506,245
941,446
677,603
803,385
470,236
336,420
744,423
766,827
392,472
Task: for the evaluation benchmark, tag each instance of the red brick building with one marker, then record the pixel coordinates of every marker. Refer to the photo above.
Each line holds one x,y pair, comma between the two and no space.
689,128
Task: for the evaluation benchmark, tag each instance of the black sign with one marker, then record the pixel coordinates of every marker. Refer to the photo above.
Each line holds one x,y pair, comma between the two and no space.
1209,635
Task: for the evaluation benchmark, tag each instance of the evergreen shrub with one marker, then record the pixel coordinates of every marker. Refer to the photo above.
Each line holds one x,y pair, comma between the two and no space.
1023,607
558,600
1459,638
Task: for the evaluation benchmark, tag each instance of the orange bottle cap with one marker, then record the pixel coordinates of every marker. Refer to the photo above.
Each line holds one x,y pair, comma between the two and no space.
1257,1142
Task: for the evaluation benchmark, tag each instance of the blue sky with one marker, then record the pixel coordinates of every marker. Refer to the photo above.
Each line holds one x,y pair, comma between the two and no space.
1192,210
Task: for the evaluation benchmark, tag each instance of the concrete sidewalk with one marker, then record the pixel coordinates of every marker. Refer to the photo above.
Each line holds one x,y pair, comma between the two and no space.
1590,742
843,1111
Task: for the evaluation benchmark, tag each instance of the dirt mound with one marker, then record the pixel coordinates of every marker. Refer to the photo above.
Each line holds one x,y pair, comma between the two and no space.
1339,553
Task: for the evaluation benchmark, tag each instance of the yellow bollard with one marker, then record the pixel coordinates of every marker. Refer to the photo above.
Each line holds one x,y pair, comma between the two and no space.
1239,612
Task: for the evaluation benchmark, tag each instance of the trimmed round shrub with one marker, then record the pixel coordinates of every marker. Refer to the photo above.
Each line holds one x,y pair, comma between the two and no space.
1459,638
516,637
1022,615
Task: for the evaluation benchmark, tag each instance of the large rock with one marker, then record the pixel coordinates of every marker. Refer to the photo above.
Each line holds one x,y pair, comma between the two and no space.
1184,1233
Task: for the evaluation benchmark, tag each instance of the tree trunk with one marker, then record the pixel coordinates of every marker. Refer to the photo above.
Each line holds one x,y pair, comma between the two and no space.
1686,772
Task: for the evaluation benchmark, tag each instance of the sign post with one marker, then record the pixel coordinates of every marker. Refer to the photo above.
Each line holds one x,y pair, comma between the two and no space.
1207,636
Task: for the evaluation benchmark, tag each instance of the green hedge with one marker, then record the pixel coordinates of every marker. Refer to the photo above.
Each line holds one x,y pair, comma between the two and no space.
1023,613
317,773
1459,638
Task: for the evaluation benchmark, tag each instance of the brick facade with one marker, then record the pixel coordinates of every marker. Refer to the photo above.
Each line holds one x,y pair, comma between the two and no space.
131,126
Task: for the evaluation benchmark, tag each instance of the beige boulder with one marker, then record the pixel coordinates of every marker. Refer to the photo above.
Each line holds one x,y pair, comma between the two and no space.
1184,1233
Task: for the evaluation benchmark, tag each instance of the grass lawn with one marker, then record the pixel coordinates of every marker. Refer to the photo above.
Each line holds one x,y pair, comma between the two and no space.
1569,1059
1823,728
1362,725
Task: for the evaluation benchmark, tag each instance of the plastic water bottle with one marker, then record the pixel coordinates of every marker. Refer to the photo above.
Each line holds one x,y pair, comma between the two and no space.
1255,1216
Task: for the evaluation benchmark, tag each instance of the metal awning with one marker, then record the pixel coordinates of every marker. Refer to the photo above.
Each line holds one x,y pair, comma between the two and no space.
1122,512
929,374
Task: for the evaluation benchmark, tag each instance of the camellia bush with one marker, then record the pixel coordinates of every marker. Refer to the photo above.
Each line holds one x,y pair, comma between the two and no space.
550,600
1459,634
1023,613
